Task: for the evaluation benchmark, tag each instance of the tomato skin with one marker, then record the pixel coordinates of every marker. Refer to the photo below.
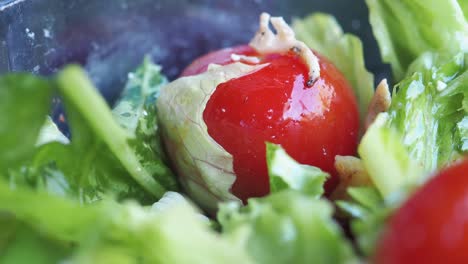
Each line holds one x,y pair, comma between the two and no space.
221,57
432,226
313,124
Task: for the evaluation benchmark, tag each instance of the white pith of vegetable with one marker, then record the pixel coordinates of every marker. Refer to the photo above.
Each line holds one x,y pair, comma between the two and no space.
244,58
266,41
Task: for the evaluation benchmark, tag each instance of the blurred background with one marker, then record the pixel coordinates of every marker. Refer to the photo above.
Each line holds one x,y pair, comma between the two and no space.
110,38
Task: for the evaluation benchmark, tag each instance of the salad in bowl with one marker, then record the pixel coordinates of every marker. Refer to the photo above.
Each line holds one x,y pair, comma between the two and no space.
280,150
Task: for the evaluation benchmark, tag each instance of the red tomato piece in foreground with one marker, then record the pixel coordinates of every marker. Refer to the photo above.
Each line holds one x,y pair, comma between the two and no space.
313,124
432,226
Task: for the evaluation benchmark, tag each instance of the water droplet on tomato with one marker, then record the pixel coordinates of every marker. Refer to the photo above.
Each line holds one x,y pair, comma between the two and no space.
269,114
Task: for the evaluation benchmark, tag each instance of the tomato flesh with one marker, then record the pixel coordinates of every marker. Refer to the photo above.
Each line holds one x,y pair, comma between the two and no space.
313,124
432,226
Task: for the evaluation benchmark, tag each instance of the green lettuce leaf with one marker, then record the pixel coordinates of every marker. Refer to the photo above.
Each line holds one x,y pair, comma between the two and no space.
108,150
394,174
464,6
425,127
386,159
369,214
285,173
463,133
136,235
322,33
286,227
429,108
22,244
136,113
139,94
87,172
405,29
58,218
424,130
85,106
19,125
108,232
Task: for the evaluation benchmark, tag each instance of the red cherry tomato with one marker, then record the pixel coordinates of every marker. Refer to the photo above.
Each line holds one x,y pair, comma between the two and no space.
432,226
274,104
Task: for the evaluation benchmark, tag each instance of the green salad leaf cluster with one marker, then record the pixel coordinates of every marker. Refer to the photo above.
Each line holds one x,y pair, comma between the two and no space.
424,129
108,195
405,29
103,157
66,200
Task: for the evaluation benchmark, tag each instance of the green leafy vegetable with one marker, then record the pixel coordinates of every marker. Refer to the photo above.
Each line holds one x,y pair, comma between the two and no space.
136,113
464,6
139,94
429,108
115,233
85,169
322,33
286,173
291,225
104,151
19,126
369,212
136,235
463,133
80,94
286,227
425,127
386,159
406,29
59,218
25,245
45,203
